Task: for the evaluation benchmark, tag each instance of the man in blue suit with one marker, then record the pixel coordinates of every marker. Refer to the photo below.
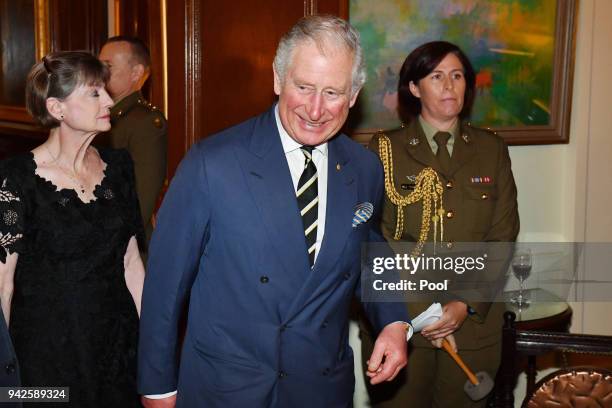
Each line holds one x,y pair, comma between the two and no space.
262,229
9,369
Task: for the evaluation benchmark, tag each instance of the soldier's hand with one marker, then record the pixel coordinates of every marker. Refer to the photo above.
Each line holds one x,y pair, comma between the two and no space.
453,315
437,343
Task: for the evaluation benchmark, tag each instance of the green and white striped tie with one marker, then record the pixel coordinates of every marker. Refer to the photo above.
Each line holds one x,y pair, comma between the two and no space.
308,201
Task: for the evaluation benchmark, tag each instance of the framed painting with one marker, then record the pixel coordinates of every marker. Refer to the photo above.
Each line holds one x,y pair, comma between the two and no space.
522,52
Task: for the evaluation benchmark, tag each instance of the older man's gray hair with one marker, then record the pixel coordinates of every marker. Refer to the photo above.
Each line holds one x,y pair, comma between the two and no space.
321,29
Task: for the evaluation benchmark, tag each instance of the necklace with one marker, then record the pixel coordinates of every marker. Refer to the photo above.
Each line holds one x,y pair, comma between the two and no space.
71,175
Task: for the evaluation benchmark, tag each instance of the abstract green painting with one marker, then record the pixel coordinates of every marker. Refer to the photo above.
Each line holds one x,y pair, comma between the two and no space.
509,42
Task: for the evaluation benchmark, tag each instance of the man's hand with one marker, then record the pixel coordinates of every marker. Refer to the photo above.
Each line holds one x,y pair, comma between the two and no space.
453,315
390,354
437,343
169,402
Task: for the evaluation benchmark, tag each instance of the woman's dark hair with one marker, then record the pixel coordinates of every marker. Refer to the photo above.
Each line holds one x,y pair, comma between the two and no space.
420,63
56,76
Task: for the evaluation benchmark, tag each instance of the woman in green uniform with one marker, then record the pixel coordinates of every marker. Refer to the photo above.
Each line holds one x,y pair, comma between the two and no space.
436,91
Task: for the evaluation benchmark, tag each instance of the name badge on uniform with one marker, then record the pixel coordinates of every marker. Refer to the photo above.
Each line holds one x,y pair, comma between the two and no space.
411,183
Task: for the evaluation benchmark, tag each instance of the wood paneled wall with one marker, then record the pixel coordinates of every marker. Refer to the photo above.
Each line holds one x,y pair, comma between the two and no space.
78,24
142,19
237,53
219,55
73,25
180,72
228,48
18,50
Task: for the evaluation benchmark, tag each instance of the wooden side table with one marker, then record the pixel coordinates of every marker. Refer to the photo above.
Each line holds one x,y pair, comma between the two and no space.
545,313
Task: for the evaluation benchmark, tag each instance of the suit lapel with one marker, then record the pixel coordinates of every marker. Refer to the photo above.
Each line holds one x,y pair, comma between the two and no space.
341,200
269,181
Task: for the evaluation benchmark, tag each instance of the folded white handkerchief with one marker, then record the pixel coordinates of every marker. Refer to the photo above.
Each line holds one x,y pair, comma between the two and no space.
429,316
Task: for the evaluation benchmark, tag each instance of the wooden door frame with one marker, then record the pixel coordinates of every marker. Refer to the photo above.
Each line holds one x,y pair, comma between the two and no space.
184,39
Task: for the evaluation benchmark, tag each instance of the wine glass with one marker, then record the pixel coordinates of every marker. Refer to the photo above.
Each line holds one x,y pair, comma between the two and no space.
521,267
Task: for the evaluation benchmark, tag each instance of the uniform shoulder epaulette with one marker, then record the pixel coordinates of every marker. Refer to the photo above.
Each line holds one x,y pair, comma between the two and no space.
146,104
396,129
388,131
484,129
157,117
392,133
378,133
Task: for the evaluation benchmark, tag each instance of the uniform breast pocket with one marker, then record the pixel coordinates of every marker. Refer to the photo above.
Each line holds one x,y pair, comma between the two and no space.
479,204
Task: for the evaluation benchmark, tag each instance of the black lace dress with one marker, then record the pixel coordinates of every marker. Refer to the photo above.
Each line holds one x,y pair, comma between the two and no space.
73,320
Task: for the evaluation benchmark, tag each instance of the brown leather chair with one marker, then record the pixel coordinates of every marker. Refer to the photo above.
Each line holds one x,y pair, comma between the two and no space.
568,387
579,387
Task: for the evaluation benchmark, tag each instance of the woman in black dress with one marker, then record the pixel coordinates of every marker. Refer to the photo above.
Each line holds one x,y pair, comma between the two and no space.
70,272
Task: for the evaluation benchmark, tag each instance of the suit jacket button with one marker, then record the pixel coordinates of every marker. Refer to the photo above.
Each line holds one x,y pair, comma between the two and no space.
325,324
283,327
10,368
264,279
347,276
282,374
326,371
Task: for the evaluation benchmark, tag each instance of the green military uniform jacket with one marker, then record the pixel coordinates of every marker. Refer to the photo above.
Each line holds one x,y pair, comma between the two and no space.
479,201
141,129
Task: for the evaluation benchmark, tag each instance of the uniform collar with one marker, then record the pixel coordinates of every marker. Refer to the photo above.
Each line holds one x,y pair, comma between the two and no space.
125,104
431,130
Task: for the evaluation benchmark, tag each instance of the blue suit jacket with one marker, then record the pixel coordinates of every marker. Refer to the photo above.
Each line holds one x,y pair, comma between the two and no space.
9,369
264,330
